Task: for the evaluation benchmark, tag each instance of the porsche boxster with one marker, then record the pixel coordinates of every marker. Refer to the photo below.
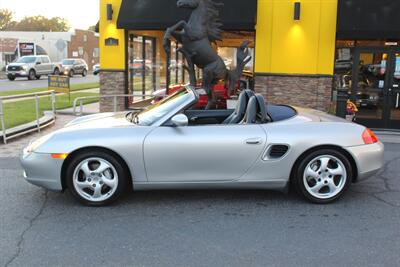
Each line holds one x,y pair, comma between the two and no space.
171,145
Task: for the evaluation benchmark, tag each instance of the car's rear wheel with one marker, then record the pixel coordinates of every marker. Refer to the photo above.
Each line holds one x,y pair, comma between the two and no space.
96,178
32,75
323,176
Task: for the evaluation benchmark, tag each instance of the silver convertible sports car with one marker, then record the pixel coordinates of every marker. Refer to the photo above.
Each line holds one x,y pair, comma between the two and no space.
170,145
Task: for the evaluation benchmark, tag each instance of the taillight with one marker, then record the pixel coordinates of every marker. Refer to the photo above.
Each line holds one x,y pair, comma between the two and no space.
369,137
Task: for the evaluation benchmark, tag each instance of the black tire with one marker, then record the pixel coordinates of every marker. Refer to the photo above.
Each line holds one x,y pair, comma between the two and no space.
11,78
32,75
299,172
56,71
84,73
38,77
123,176
71,73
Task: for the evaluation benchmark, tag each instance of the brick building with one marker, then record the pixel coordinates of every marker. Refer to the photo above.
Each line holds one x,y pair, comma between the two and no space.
85,45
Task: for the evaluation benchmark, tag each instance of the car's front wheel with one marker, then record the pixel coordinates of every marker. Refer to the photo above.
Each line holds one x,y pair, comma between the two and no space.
84,73
71,73
56,72
323,176
32,75
96,178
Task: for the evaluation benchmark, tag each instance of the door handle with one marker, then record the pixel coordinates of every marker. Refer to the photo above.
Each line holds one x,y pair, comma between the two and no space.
254,141
397,99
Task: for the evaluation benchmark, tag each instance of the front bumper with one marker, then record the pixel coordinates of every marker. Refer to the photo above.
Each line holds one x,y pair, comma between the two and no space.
369,159
20,73
42,170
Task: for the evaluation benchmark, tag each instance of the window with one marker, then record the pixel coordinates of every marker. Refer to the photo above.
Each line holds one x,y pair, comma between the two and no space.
85,38
96,52
45,60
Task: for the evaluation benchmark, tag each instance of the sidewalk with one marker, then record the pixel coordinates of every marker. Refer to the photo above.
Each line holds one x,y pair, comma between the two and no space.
15,146
87,109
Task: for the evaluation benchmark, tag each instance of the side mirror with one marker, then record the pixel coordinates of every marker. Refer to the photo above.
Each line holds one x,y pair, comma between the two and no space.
180,120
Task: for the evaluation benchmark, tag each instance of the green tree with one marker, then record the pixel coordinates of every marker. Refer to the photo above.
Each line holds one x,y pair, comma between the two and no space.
6,19
41,23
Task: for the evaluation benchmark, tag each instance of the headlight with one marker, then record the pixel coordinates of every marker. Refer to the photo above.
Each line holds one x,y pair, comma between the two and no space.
25,68
35,144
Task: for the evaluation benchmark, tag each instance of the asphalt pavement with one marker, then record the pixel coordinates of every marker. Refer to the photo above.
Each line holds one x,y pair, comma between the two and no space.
202,228
24,84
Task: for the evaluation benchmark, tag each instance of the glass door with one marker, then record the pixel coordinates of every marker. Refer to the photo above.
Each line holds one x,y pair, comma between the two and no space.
394,91
369,85
142,65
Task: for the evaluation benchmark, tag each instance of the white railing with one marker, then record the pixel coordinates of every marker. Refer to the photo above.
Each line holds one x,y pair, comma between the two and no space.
80,101
25,96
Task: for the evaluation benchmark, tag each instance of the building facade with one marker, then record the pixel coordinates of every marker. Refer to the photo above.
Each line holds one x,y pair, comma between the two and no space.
57,45
303,51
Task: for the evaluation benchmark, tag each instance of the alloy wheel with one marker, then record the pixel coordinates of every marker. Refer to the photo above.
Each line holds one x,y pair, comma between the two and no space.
95,179
325,177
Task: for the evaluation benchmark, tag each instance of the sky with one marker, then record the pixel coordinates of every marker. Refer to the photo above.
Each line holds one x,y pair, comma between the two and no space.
80,13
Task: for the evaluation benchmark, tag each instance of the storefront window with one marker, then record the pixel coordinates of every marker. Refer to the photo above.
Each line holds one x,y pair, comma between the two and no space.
147,61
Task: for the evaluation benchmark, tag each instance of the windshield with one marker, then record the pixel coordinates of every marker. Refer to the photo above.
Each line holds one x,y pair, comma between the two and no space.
68,62
26,60
162,108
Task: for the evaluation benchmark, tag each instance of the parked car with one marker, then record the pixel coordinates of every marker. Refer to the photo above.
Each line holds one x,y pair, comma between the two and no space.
170,145
138,64
71,67
32,67
96,69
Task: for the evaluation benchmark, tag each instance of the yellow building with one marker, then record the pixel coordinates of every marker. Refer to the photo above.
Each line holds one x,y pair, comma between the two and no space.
303,50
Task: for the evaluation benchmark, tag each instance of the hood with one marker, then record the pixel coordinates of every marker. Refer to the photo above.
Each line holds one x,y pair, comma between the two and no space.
318,116
15,64
102,120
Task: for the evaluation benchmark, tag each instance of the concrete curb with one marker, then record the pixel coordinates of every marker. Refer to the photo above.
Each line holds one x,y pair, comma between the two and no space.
392,137
45,121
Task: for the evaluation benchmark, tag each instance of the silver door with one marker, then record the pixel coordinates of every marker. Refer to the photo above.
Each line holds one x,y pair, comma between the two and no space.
202,153
47,65
40,66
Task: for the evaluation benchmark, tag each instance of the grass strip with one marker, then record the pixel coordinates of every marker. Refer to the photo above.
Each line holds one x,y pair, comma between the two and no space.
21,112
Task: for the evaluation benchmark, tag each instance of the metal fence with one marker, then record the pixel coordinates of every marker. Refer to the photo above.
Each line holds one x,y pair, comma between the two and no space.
34,96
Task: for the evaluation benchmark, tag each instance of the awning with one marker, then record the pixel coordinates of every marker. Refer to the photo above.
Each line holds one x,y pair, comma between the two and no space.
160,14
368,19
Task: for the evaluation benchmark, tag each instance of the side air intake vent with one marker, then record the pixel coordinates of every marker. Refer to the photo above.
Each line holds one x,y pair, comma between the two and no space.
277,151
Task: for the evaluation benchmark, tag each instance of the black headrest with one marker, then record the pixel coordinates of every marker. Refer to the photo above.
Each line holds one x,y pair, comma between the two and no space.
256,111
251,113
241,107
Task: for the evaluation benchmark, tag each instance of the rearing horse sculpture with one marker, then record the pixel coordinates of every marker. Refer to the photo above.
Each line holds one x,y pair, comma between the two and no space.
196,36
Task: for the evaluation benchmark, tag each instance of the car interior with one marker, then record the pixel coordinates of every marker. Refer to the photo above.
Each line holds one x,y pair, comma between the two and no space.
251,108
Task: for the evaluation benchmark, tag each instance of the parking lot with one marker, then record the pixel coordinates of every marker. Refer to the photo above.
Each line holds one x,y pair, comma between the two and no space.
202,228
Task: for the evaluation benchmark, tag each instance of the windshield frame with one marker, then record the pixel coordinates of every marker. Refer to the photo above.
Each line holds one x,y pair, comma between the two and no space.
193,98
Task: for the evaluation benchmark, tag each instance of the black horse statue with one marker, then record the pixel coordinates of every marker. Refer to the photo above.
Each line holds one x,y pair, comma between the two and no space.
196,36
